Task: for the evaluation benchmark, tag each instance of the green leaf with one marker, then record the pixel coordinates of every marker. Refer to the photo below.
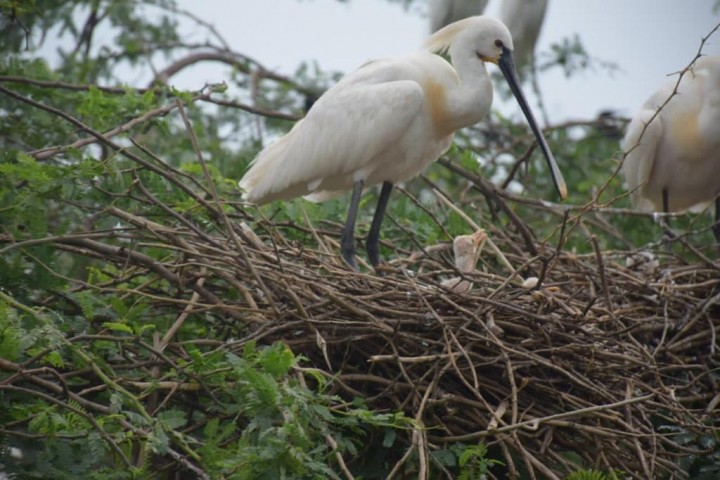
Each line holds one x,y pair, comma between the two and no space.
54,358
118,327
277,359
172,419
389,438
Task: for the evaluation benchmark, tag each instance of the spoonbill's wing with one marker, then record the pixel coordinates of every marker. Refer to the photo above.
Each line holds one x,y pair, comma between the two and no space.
640,144
346,129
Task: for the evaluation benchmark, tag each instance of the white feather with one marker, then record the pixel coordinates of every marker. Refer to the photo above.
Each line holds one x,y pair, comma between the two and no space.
679,150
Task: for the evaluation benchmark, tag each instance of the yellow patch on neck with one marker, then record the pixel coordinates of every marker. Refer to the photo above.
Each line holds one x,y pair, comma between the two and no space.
437,101
684,133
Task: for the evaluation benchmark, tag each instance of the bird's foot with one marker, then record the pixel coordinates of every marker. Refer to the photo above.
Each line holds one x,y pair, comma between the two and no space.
349,258
373,252
382,268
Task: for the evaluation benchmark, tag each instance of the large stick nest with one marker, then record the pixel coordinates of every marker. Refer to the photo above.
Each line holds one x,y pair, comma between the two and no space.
594,359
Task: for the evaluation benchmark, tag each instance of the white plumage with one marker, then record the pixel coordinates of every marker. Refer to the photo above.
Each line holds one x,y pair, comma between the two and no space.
387,121
675,165
375,125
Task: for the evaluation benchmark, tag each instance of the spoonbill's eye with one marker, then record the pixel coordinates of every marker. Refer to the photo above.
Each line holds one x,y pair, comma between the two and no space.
499,43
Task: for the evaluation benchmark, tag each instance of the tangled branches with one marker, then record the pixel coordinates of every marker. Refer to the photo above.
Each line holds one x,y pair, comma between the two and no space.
608,360
615,363
594,361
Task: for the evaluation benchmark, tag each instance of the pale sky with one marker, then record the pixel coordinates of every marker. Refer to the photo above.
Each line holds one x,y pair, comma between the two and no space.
648,39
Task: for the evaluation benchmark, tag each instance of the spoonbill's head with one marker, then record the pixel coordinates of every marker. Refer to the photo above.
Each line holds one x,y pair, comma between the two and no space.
480,37
488,40
492,40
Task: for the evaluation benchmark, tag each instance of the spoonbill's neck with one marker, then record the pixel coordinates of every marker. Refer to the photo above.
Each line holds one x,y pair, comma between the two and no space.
470,101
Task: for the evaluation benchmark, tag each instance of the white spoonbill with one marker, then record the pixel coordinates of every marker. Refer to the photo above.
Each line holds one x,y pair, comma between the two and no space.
387,121
675,165
524,18
445,12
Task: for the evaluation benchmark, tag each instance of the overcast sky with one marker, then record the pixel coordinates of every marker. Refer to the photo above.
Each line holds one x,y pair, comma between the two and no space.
648,39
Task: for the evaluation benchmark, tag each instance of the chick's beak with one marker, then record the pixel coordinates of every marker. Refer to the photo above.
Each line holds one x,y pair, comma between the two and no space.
479,237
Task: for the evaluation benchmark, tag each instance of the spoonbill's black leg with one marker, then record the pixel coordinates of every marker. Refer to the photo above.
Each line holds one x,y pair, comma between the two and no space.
373,239
665,221
347,239
716,227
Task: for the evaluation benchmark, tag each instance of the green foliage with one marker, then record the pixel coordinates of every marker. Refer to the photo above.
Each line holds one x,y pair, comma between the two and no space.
468,462
594,475
571,56
266,424
706,465
284,425
474,463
